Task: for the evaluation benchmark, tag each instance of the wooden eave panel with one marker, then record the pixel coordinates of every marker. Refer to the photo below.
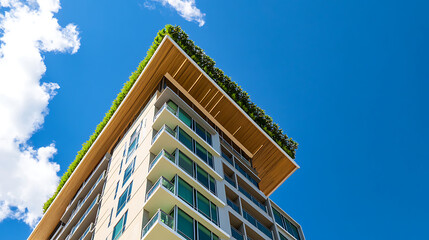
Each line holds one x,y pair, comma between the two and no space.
268,158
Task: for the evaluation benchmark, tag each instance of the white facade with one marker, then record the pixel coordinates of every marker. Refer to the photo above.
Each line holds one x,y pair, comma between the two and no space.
156,181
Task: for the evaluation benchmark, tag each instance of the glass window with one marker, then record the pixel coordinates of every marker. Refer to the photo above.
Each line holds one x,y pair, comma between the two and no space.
185,139
110,218
125,150
172,106
124,198
116,191
214,212
134,140
203,205
282,237
120,167
212,185
215,237
128,172
185,118
201,151
203,233
209,138
292,229
210,160
278,217
185,225
186,164
185,191
203,177
200,131
120,227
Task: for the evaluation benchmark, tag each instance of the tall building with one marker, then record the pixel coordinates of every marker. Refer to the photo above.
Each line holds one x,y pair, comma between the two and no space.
178,159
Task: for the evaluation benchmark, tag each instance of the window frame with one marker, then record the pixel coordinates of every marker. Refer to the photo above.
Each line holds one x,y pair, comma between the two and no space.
127,195
123,221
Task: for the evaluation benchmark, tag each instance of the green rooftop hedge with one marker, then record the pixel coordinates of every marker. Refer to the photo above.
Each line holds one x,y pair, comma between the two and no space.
208,65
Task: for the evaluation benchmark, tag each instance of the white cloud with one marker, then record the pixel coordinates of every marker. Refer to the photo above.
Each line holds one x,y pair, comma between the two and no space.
186,9
27,176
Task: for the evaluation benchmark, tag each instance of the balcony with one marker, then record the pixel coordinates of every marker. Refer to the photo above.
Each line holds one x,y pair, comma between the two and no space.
250,177
233,205
167,116
257,224
96,188
164,164
162,196
252,198
161,182
236,234
164,154
87,235
89,183
86,203
236,154
167,139
160,226
230,180
86,219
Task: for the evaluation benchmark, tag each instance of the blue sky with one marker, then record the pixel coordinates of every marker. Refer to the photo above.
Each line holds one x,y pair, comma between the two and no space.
348,80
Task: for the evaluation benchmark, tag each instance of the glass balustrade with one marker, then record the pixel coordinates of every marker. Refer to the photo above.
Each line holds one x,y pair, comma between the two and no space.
163,128
161,182
79,205
188,142
159,216
85,183
161,154
86,232
239,168
233,205
228,159
186,119
246,175
253,199
257,224
83,217
230,180
236,234
190,167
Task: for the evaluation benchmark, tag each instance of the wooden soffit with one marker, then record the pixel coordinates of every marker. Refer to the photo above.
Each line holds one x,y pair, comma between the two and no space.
273,165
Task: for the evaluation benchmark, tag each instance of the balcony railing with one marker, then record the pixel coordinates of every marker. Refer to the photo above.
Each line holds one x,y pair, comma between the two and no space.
85,183
162,153
228,159
233,205
164,106
240,169
190,143
246,175
86,231
230,180
236,234
166,128
244,160
161,182
83,217
208,139
252,198
159,216
86,197
257,224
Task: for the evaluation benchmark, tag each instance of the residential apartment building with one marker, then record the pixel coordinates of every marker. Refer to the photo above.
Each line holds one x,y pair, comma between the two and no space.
179,159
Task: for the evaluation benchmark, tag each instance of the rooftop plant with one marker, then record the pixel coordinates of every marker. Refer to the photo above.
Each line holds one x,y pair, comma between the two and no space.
208,65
